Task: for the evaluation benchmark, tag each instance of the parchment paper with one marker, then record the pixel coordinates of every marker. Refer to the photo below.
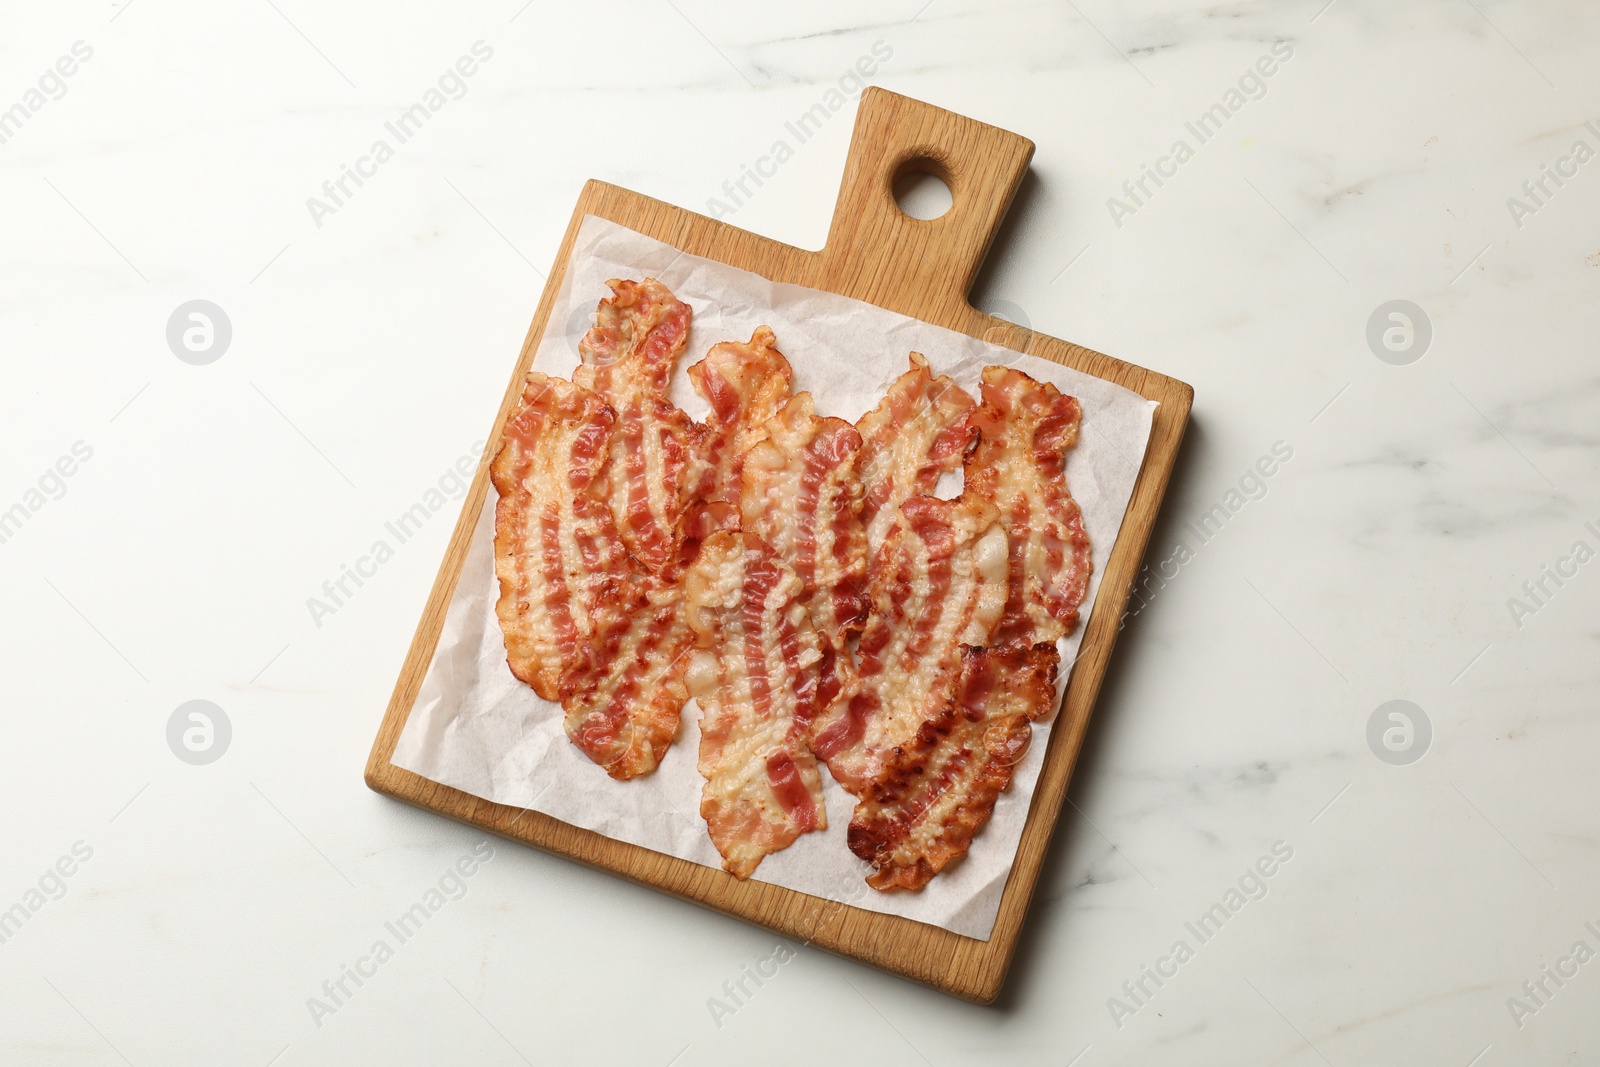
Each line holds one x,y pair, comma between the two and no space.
477,728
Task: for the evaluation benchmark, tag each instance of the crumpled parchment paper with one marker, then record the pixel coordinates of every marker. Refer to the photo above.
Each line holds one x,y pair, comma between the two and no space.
477,728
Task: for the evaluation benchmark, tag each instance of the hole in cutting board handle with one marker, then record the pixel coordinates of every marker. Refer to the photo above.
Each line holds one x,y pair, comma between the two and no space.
922,189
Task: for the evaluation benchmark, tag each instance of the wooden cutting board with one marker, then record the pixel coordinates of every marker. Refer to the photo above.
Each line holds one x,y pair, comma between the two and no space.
923,269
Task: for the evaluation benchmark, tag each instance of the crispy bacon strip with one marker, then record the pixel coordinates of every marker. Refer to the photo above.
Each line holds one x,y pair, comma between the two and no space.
628,359
939,583
746,384
755,682
1019,464
556,547
918,431
939,789
801,495
625,697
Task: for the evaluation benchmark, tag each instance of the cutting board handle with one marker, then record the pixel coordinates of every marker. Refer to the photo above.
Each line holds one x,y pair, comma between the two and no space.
878,253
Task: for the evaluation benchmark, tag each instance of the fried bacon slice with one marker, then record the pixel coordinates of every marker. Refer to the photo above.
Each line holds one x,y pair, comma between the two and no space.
939,583
556,546
624,698
938,789
755,681
801,496
746,384
918,431
628,358
1025,429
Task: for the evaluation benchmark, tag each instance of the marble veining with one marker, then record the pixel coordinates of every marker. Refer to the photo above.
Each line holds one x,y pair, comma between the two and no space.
1385,161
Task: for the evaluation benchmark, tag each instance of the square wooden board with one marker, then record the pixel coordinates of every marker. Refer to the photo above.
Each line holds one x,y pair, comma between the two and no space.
923,269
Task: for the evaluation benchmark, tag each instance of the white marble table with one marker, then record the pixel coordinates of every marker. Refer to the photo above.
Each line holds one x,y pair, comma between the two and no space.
1401,549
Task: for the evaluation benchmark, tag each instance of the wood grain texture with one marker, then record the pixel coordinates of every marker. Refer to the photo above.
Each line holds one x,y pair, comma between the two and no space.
923,269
